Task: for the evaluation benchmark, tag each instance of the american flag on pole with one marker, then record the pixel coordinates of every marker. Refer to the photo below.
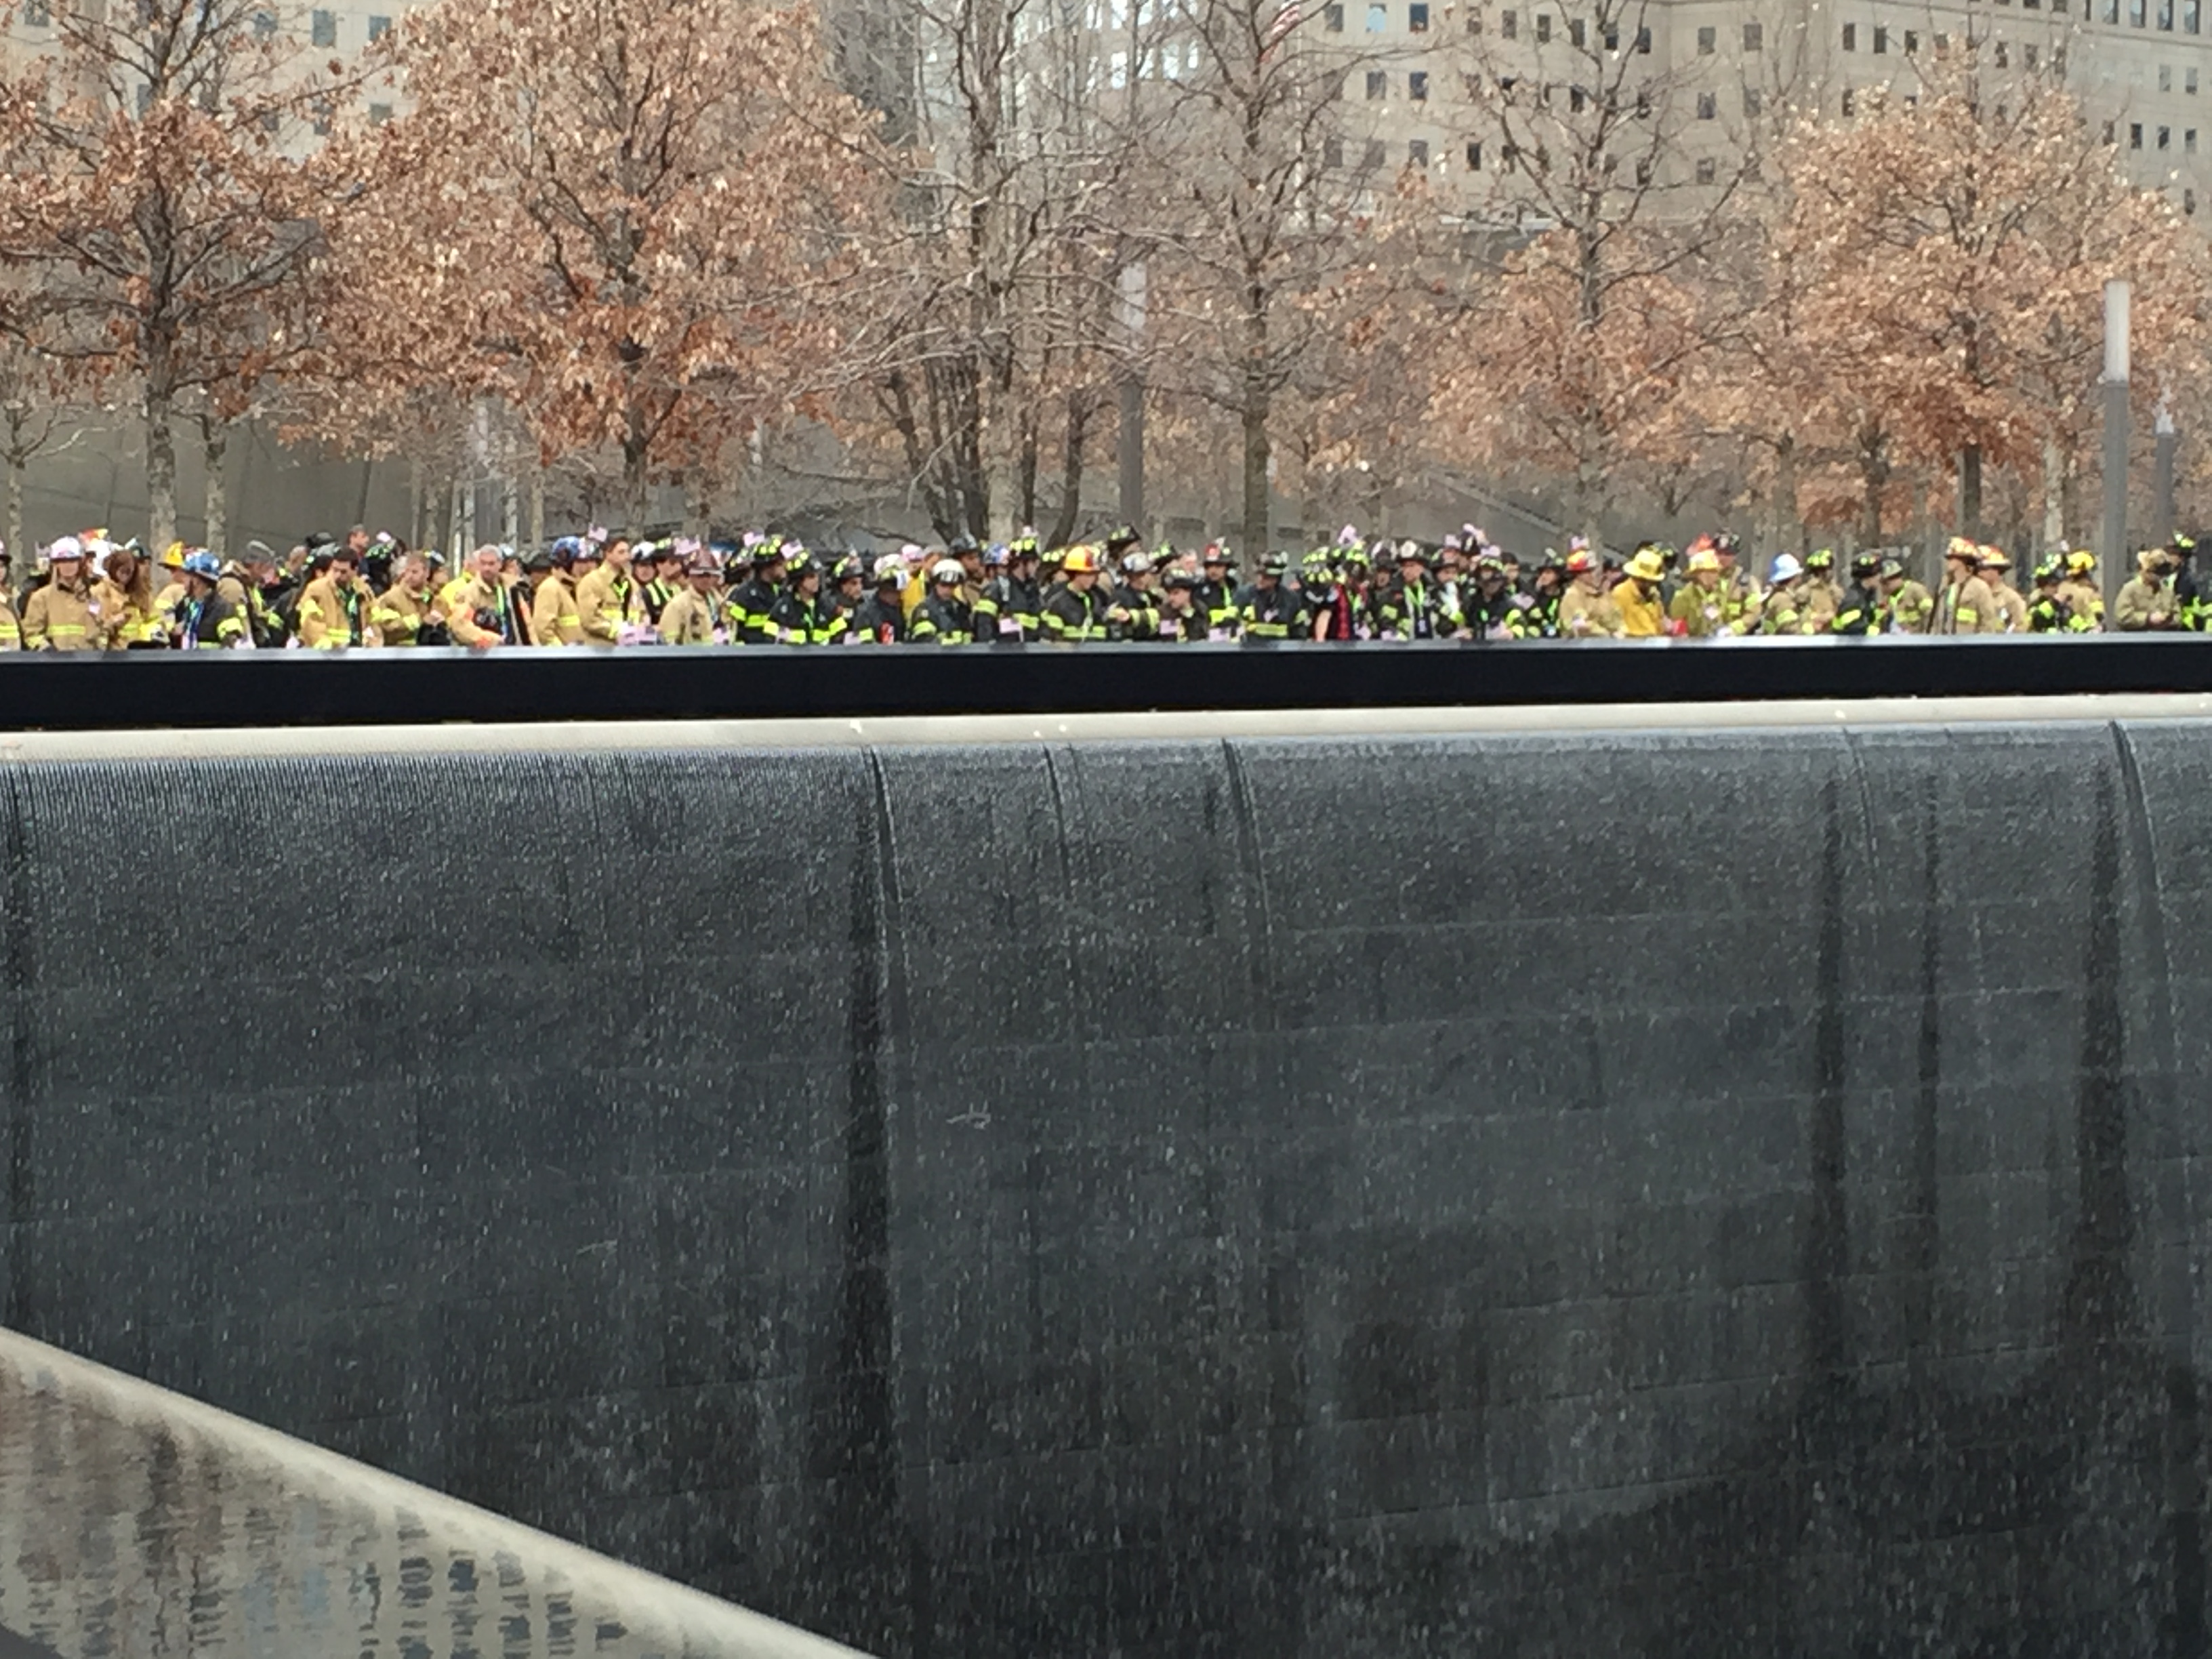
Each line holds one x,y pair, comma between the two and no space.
1287,17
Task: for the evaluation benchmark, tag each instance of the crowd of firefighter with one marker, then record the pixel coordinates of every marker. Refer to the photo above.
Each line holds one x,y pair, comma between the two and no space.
606,590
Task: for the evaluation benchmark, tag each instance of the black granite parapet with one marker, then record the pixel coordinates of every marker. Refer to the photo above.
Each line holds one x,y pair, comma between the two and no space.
249,688
1687,1194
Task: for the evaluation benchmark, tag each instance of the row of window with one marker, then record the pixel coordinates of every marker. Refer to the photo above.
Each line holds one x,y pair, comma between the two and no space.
1509,27
322,26
2165,136
1376,154
1378,18
2031,56
2139,14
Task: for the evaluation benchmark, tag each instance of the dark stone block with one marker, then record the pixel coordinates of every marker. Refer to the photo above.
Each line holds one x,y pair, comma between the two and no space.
1714,1195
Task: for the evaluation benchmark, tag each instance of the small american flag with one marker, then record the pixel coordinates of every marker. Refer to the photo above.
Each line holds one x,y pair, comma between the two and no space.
1287,17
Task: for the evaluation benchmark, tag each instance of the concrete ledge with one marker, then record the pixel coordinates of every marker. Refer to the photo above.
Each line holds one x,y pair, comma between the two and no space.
588,737
166,1516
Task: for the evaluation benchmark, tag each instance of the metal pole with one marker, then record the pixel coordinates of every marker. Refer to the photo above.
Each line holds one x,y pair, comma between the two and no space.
2114,552
2169,441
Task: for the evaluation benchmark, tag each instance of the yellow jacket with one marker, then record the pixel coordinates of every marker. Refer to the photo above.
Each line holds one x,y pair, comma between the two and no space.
399,616
332,618
1639,607
554,616
689,618
58,618
605,600
1599,616
130,621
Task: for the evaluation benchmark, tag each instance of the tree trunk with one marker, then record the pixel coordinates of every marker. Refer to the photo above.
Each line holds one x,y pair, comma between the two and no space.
1025,470
534,521
18,549
1970,492
456,543
1071,469
1871,477
161,466
1257,401
634,459
2054,497
1789,528
1256,533
215,442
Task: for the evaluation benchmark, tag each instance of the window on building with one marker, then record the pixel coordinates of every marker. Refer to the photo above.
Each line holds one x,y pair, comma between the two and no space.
2111,11
1643,106
1417,153
378,27
2136,14
1416,86
1474,20
1850,37
1378,19
1378,85
1755,36
2004,56
1753,101
2189,81
2189,202
1416,17
1708,41
2188,142
145,96
1707,171
1508,156
1374,156
1543,27
1708,106
1881,39
1911,41
1644,172
2165,77
2135,135
264,26
379,114
2031,5
2192,13
323,112
2112,133
2058,61
1851,102
2027,57
1942,40
1117,70
322,28
1475,158
1577,33
1332,152
1575,99
1509,24
2059,7
2165,138
1643,42
1332,19
1612,37
2165,13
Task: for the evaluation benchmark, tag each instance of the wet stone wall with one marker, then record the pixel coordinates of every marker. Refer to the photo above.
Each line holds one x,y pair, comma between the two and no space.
1692,1195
